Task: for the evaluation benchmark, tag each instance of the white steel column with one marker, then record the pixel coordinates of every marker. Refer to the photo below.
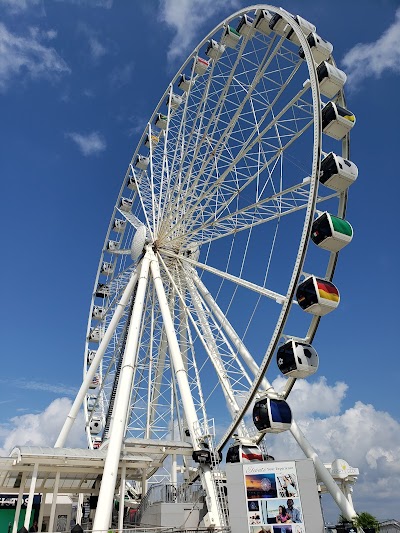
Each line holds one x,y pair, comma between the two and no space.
19,503
79,513
184,388
31,495
122,498
96,361
41,511
323,474
54,502
121,407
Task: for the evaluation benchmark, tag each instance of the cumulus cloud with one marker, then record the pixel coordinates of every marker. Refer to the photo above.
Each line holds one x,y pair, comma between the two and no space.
366,60
28,57
185,18
41,429
89,144
365,437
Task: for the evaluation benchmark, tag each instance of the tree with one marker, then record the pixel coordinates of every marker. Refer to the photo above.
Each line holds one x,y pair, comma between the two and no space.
366,521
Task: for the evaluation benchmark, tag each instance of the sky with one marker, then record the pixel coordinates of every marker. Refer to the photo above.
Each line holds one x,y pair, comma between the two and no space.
78,81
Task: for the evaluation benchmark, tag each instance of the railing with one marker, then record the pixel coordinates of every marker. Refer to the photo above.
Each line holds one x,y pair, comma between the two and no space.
169,493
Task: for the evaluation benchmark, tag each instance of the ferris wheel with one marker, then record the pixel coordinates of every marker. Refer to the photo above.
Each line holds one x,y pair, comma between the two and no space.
206,274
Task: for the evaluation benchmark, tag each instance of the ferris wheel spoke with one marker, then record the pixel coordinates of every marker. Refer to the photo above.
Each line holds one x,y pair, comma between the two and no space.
204,198
279,298
261,68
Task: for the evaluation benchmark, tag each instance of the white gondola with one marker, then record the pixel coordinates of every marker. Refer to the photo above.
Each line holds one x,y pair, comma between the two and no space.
173,100
185,82
231,37
214,50
246,26
90,402
337,173
152,140
279,25
263,18
317,296
98,312
96,425
271,415
131,183
305,26
119,225
142,162
102,290
161,121
201,65
243,451
125,204
297,359
331,79
112,246
331,233
107,268
96,334
95,382
91,354
320,49
336,120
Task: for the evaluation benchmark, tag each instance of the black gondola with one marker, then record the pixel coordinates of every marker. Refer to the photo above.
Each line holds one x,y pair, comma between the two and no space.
271,415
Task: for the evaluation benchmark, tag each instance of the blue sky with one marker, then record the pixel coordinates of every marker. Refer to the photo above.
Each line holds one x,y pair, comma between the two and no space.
78,81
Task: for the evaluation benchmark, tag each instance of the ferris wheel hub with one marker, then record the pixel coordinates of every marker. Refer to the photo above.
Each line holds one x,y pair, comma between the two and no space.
138,242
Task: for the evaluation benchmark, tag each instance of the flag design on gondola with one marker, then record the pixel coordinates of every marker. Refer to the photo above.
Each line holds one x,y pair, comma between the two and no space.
327,290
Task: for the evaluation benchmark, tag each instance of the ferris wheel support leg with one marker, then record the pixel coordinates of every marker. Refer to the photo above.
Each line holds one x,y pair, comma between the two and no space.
121,407
323,474
91,372
184,388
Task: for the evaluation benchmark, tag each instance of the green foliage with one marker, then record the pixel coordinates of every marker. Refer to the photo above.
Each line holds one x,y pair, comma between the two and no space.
366,520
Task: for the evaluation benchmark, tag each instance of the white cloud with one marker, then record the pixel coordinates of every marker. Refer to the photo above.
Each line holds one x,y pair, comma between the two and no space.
121,76
97,50
28,384
106,4
41,429
186,17
89,144
366,60
27,57
17,6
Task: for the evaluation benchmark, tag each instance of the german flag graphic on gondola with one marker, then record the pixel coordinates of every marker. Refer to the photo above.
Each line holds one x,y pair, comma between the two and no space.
327,290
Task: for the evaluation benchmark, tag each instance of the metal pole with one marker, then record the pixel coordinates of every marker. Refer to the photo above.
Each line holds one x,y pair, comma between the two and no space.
184,387
96,361
54,502
121,407
19,503
41,511
323,474
122,498
31,495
